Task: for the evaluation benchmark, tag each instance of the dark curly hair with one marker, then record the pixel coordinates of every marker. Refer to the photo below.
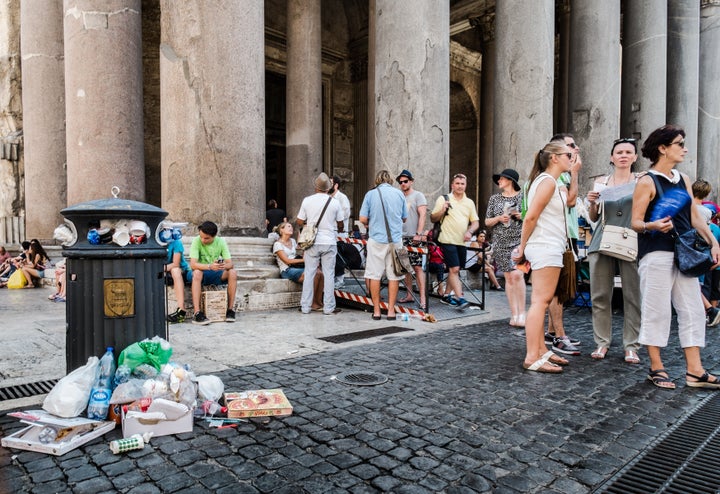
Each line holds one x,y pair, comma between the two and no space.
662,136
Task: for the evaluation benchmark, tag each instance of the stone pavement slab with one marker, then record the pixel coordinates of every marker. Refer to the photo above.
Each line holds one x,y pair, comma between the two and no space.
457,414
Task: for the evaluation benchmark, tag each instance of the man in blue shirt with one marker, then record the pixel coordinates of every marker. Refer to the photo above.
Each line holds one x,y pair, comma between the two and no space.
383,208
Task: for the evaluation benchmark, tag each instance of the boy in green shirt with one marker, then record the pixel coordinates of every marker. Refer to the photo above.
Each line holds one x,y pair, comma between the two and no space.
211,265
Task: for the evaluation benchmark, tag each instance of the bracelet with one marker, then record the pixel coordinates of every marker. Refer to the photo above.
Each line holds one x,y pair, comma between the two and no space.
644,230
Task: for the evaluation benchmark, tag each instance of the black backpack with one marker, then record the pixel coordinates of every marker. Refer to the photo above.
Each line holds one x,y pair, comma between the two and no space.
347,257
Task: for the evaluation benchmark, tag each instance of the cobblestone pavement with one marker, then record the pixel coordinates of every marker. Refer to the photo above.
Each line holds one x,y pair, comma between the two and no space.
457,415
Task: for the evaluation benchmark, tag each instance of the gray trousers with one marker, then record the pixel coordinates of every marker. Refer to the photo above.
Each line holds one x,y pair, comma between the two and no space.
602,275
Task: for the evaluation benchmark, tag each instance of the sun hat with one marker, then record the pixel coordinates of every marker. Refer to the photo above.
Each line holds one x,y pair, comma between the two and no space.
405,173
323,182
510,174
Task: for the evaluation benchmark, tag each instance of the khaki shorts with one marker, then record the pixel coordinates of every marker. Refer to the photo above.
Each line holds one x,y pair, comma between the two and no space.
379,261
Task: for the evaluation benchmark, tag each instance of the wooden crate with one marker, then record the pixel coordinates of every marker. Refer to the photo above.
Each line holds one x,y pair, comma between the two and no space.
214,304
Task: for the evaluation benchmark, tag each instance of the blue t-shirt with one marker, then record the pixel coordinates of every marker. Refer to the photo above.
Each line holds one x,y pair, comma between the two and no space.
395,207
176,246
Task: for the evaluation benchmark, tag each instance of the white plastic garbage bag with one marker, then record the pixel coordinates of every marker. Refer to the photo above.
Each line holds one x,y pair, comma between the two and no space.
69,397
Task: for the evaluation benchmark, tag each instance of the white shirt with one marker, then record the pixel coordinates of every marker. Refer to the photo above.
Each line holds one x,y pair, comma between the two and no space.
310,210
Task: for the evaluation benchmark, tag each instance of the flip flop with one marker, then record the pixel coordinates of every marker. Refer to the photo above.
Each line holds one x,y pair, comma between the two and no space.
543,366
631,357
600,353
703,381
555,359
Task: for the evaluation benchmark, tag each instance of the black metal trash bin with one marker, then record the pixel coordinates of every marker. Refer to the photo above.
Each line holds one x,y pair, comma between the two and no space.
115,287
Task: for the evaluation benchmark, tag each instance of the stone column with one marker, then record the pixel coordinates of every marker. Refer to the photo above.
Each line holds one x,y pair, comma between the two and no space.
524,71
409,91
683,72
103,94
594,91
212,87
303,120
644,69
43,95
488,166
708,157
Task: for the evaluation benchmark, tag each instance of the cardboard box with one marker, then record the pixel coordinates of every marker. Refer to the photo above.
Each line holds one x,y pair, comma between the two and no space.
214,304
140,423
72,432
257,403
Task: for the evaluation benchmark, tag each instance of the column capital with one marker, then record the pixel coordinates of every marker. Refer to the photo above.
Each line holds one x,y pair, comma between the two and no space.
709,3
486,24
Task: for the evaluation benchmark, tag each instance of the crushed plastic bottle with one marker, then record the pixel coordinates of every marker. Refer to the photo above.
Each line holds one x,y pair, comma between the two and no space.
102,389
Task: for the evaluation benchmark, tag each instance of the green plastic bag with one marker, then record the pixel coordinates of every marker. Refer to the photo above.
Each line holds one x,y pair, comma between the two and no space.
155,352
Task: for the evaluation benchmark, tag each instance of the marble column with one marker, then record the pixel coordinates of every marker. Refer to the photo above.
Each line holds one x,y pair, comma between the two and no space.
594,89
103,96
708,157
524,72
644,69
43,95
683,72
409,92
303,119
212,91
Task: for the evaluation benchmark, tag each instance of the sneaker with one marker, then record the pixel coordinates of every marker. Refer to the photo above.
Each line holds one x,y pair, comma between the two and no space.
177,316
462,304
448,300
230,315
199,318
712,317
563,345
549,337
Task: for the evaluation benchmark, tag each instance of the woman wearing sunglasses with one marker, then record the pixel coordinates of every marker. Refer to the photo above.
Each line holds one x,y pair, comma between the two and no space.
617,212
662,285
543,242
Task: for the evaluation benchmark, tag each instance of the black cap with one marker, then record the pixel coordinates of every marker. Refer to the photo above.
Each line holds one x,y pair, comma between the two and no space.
510,174
405,173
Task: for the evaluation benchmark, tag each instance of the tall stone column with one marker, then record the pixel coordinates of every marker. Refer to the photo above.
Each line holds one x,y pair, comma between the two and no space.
303,118
683,52
524,72
709,98
43,95
409,91
103,95
594,91
488,166
644,68
212,87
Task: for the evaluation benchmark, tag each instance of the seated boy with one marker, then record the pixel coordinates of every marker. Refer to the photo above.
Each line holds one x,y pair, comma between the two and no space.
211,265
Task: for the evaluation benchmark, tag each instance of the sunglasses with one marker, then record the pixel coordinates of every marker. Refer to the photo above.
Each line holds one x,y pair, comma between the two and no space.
679,143
403,181
569,155
459,175
623,140
572,145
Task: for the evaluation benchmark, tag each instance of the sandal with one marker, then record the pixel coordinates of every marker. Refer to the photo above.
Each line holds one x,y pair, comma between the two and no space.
551,357
543,366
703,381
631,357
599,354
664,382
406,300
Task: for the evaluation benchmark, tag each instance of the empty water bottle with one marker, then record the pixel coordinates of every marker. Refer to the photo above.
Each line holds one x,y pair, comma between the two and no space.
102,389
122,374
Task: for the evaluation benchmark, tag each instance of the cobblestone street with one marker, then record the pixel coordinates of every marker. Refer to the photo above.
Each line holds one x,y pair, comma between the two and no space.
458,414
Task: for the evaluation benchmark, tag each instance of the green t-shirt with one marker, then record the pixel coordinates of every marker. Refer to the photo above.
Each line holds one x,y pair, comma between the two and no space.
208,254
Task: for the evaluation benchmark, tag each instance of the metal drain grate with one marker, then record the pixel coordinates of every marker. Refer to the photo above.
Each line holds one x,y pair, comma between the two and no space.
361,335
26,390
361,378
683,461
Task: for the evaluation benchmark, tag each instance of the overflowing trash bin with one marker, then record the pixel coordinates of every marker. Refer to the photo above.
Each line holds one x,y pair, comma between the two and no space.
115,278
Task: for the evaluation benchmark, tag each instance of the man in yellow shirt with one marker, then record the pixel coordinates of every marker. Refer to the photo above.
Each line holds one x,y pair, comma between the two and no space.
460,221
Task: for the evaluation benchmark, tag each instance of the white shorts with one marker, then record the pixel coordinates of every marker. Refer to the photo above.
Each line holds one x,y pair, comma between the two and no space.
379,261
543,255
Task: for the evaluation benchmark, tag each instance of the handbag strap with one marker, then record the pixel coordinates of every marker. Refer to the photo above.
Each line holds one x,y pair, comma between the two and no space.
567,239
387,226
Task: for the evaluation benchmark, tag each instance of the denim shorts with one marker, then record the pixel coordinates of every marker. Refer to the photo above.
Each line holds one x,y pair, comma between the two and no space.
454,255
292,274
213,277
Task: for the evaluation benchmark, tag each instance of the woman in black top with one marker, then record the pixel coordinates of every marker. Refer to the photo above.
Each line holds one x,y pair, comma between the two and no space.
661,283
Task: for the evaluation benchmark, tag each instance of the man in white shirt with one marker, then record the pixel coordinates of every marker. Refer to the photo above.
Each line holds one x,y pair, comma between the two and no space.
345,205
324,249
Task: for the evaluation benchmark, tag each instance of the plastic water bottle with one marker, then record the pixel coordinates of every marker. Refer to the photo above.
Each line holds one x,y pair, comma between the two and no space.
102,389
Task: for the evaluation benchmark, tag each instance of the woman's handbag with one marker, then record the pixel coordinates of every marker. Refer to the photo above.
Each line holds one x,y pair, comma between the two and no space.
619,242
306,239
400,257
692,254
17,279
567,283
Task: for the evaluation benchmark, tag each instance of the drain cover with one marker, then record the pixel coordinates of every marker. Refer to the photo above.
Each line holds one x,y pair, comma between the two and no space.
26,390
361,335
361,378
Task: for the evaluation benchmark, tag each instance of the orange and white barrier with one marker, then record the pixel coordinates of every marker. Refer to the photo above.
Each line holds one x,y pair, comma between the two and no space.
366,301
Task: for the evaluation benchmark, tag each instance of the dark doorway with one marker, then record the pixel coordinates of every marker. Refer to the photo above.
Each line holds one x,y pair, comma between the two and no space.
275,139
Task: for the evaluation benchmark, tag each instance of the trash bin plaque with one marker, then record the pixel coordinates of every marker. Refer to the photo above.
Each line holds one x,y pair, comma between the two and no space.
119,297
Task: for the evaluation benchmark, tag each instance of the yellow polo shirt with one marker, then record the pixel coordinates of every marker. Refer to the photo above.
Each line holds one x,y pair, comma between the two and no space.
456,222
